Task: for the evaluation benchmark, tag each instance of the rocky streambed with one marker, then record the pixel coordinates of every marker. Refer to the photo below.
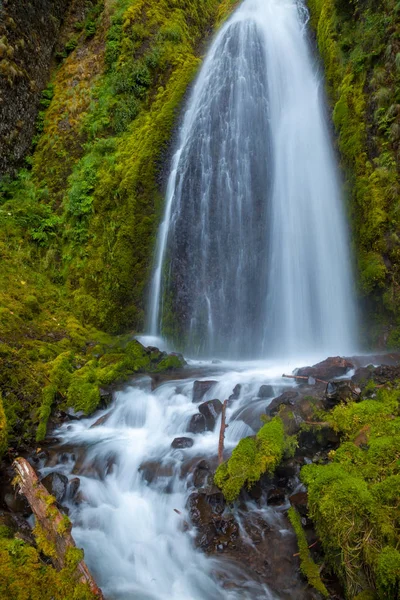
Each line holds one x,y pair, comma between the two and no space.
137,479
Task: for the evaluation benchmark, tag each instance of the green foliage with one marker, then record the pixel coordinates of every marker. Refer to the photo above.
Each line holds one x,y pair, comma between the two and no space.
354,500
24,575
358,44
3,429
251,458
308,567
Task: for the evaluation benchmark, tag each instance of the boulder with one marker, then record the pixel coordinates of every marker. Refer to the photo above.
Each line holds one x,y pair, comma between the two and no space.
200,389
300,502
152,470
73,488
276,496
202,474
235,392
56,484
266,391
341,391
287,398
211,411
197,424
327,369
182,442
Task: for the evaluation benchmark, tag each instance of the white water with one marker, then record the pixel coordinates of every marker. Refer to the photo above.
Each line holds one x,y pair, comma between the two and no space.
134,540
252,254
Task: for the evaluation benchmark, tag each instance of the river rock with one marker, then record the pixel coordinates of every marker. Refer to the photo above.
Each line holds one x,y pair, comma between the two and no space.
73,488
276,496
202,474
341,391
182,442
101,420
200,389
211,410
327,369
105,398
363,375
236,392
287,398
56,484
300,502
197,424
152,470
266,391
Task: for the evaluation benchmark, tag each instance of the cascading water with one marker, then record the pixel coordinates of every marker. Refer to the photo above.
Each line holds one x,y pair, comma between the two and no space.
252,255
252,259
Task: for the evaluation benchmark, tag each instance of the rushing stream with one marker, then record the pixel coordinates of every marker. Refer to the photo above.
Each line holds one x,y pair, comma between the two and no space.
252,262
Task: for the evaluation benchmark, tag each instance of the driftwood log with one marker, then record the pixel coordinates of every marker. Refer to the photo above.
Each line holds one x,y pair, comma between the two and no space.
305,377
222,434
51,521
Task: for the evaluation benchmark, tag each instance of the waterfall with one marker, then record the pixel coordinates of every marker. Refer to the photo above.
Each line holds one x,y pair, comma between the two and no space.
252,256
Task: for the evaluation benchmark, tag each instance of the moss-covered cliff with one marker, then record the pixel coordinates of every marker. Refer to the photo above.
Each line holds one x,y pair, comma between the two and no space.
359,41
77,225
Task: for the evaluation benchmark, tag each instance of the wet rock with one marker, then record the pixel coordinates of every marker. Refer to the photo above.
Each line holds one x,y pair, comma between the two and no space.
341,391
316,444
197,424
152,470
266,391
202,474
216,531
276,496
105,398
74,415
56,484
16,503
73,488
287,398
236,392
199,509
200,389
327,369
101,420
211,410
182,442
300,502
363,375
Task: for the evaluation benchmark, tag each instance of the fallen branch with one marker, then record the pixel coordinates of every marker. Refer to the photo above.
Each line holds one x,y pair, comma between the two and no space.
52,522
305,377
222,434
312,546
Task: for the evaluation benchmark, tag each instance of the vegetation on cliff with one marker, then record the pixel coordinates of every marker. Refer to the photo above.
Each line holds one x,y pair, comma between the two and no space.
359,44
77,225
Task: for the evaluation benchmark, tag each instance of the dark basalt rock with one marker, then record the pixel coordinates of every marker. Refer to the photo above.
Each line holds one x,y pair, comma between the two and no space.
287,398
56,484
327,369
182,442
152,470
341,391
216,531
266,391
236,392
197,424
200,389
73,488
211,410
202,474
276,496
300,502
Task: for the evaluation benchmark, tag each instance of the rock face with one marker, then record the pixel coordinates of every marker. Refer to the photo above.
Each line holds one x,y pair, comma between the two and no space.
29,32
200,389
327,369
197,424
182,442
211,410
56,484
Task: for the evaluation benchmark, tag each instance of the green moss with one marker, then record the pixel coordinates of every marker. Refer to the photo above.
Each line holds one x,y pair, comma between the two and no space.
354,499
23,575
309,568
3,429
358,42
251,458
